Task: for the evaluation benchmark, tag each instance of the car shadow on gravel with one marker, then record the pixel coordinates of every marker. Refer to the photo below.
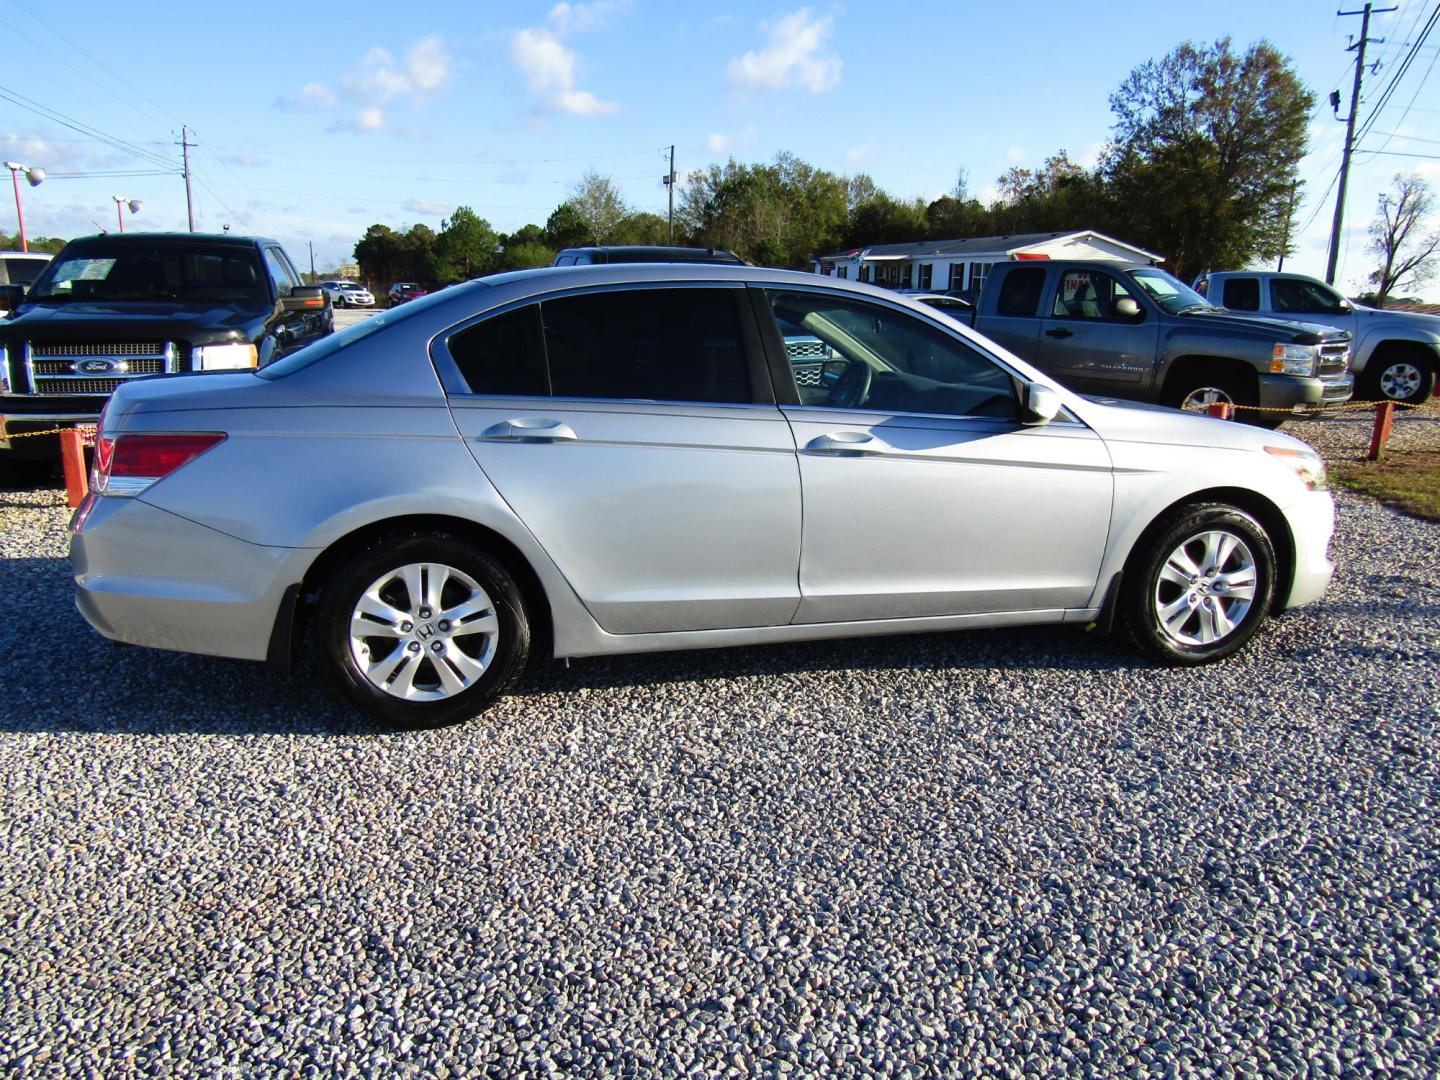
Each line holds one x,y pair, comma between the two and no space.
1052,647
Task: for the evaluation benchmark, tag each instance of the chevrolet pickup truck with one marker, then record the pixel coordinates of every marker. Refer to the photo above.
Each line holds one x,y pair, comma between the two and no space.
116,307
1131,331
1396,354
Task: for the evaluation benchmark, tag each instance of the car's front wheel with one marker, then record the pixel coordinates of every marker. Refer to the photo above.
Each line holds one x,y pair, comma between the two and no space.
1199,585
422,630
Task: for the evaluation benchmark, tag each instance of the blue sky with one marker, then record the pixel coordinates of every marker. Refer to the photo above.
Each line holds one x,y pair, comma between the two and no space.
315,120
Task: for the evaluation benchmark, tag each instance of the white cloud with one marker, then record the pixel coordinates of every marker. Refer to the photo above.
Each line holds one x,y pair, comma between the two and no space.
431,209
245,158
56,157
856,154
720,143
793,55
578,18
378,81
549,68
1015,154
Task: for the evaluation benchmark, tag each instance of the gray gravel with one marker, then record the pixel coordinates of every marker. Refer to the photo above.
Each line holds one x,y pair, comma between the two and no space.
1004,852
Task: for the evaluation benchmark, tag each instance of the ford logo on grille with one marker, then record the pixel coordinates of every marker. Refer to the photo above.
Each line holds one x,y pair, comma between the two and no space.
94,367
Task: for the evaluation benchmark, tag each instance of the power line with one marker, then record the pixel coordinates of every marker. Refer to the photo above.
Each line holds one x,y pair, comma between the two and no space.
55,116
1395,79
452,161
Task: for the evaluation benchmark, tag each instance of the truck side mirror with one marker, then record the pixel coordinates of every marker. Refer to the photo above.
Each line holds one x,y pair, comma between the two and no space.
1127,308
303,297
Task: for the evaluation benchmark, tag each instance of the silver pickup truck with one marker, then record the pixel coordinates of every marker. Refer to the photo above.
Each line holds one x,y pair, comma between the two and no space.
1130,331
1396,354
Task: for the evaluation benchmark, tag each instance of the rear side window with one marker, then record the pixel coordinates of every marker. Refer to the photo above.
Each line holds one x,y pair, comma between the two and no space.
1020,292
651,344
503,355
1242,294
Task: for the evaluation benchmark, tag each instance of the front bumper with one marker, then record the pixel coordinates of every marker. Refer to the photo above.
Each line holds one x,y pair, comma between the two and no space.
1303,395
17,430
351,300
1312,523
149,577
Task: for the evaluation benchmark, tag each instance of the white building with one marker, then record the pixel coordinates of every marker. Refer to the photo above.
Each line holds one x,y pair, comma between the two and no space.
961,265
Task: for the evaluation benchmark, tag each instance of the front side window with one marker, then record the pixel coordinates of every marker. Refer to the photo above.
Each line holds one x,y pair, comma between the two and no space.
1087,294
1303,297
1242,294
885,360
279,272
652,344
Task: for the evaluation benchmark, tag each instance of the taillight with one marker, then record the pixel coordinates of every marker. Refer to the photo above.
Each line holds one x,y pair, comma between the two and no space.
128,463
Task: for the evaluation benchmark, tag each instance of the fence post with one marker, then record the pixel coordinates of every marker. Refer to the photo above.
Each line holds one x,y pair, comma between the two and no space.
1221,410
1384,421
72,457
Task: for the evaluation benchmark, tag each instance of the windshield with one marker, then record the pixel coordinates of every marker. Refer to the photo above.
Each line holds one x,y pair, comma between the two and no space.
1172,296
352,286
161,271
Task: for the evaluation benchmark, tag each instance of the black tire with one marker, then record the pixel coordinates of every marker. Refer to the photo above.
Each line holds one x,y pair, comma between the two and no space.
1145,592
507,652
1401,376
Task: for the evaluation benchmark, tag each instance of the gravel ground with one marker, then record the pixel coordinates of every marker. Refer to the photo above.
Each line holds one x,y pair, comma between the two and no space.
1003,852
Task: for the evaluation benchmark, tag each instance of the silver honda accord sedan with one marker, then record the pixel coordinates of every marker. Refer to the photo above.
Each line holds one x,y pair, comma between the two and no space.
612,459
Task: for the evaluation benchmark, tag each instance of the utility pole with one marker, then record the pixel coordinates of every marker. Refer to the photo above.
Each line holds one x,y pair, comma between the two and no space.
1359,48
185,145
312,260
669,182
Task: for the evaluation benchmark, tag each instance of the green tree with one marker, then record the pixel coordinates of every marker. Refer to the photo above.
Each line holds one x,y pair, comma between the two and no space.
525,256
884,219
417,256
1207,145
378,254
641,227
526,234
598,202
50,244
465,247
566,227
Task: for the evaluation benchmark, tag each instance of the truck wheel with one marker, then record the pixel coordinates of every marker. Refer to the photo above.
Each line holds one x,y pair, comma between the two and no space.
1399,376
1198,585
422,629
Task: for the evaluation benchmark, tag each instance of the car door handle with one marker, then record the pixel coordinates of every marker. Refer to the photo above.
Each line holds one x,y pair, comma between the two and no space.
847,442
530,429
1059,332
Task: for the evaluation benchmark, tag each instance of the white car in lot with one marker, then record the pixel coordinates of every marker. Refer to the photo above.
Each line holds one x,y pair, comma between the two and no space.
348,294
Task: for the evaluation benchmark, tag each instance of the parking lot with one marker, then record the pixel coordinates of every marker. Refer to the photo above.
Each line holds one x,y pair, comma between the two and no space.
1005,851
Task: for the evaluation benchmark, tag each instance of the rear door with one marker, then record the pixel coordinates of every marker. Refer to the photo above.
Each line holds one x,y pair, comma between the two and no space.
1089,347
634,432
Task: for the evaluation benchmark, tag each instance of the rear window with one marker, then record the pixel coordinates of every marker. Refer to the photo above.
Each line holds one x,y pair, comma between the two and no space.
1242,294
24,271
674,344
1020,292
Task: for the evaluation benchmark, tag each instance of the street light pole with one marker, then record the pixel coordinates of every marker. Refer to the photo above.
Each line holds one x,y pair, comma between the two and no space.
33,174
120,201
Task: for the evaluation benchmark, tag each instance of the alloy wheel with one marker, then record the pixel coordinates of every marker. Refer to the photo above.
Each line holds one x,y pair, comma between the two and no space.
1400,381
424,632
1205,588
1202,397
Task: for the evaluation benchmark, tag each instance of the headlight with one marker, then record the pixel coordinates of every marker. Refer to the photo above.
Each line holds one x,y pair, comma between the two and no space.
1306,463
1293,359
224,357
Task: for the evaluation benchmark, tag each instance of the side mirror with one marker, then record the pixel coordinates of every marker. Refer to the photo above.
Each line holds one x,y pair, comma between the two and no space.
11,296
1127,308
1041,404
304,298
1345,305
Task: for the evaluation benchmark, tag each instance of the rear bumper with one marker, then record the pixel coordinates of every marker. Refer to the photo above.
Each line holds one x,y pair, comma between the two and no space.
148,577
1312,523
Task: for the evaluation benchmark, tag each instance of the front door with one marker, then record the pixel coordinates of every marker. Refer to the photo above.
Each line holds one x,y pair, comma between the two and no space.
1090,347
923,493
630,430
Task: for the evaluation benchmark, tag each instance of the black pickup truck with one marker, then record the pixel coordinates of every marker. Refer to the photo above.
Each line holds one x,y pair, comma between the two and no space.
116,307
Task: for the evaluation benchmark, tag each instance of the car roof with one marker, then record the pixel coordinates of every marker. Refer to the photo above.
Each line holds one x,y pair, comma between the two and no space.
26,255
176,238
655,253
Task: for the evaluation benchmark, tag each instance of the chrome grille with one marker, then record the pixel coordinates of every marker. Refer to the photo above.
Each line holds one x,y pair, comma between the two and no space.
154,365
807,350
77,386
58,369
150,348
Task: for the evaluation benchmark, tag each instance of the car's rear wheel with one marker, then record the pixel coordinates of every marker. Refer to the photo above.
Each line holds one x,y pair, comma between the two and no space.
422,630
1199,584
